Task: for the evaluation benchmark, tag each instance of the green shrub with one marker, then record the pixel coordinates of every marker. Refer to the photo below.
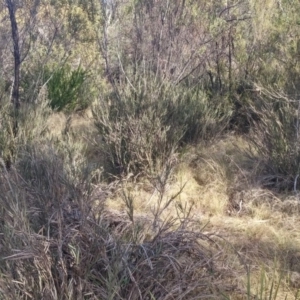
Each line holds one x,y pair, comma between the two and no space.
143,121
136,143
67,88
203,117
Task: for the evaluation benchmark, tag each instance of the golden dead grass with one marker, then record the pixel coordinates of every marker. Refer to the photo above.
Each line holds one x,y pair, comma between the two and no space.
252,228
56,123
79,123
81,127
220,183
262,228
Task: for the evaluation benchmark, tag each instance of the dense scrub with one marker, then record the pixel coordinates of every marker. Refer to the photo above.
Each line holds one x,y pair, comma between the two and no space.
158,78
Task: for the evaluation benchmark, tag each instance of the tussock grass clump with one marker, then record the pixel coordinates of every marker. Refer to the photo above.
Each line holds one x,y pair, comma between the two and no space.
275,137
31,126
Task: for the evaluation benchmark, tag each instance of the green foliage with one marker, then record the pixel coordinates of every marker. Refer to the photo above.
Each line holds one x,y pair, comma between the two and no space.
203,117
145,120
136,137
66,88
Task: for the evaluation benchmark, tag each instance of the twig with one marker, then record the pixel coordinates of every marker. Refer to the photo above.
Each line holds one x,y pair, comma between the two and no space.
295,184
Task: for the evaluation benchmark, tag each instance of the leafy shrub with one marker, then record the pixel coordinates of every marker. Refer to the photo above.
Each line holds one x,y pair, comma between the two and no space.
142,122
203,117
135,144
66,88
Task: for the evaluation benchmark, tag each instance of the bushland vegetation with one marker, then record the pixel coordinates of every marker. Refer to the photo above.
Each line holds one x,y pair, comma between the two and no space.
149,149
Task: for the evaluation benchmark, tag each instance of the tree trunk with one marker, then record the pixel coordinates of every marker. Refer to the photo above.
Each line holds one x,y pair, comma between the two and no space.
17,62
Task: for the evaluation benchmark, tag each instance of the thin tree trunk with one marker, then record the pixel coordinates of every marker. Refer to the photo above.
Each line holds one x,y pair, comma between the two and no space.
17,62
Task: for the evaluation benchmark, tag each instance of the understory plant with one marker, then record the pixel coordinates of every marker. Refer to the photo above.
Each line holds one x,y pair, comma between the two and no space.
31,122
68,88
275,137
145,119
59,242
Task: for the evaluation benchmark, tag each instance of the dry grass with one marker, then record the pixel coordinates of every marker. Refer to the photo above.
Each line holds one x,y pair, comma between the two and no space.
201,227
57,244
81,123
260,224
222,187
